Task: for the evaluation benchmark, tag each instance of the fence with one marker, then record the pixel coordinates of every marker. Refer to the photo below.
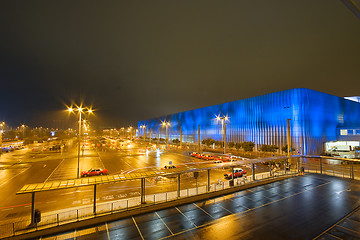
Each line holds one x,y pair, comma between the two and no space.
72,215
337,168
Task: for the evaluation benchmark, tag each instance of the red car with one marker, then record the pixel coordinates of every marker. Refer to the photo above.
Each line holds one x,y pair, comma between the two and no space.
193,154
222,158
238,172
208,157
94,172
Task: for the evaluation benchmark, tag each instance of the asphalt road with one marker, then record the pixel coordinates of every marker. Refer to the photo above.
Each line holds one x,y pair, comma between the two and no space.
306,207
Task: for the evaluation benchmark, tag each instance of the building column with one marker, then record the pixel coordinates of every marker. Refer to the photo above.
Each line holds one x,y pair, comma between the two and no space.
208,179
180,136
253,170
94,208
178,187
142,191
320,165
33,208
199,146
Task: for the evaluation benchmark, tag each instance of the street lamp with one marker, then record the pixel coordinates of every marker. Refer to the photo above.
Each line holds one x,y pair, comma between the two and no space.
130,130
23,130
79,110
166,125
2,124
144,131
223,119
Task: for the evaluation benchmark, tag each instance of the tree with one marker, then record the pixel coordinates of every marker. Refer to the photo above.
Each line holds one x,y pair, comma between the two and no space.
248,146
219,143
176,141
285,148
237,146
268,148
208,141
231,144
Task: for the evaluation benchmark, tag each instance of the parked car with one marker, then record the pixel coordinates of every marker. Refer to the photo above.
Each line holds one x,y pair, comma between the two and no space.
208,157
238,172
194,154
94,172
169,167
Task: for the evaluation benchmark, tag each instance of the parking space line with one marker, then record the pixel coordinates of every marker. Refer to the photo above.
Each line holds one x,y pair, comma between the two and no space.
102,163
164,223
185,217
3,183
107,230
225,209
54,170
249,198
203,210
348,229
138,228
333,236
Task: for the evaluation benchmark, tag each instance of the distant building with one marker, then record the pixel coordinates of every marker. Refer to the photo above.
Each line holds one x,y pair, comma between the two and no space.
316,118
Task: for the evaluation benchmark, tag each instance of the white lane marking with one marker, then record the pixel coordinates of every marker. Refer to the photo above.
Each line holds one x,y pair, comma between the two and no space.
237,214
185,217
138,228
101,160
164,223
224,208
54,170
107,230
13,177
203,210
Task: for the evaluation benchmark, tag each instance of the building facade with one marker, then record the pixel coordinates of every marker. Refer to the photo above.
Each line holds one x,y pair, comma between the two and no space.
315,118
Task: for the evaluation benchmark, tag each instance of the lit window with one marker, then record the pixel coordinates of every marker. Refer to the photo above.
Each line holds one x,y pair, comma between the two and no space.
343,132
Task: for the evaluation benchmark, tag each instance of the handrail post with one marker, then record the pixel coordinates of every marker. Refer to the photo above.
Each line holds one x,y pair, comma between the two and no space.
178,187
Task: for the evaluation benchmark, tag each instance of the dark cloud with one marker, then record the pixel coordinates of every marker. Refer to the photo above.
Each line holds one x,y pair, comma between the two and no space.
141,59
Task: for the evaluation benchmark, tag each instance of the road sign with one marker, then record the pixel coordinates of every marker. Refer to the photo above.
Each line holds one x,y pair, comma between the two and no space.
170,162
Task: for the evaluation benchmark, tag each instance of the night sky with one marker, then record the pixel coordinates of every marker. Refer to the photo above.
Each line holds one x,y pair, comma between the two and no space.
135,60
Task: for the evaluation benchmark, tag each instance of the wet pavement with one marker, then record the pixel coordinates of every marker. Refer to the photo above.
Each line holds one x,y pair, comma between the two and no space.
305,207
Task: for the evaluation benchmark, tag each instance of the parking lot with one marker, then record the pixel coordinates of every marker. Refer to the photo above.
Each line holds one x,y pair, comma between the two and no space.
303,207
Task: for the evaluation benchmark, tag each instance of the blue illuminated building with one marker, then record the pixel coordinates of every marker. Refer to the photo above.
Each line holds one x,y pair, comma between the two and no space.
316,118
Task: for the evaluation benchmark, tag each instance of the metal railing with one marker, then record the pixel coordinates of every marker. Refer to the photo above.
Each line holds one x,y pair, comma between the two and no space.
77,214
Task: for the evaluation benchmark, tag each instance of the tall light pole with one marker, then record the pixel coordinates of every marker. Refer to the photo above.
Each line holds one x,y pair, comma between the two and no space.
144,131
79,110
130,130
2,124
122,130
23,130
166,125
223,118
